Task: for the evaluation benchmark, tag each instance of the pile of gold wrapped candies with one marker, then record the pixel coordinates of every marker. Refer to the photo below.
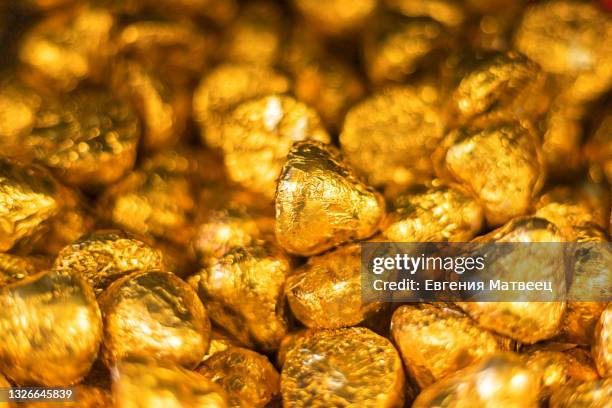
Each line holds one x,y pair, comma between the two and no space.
184,186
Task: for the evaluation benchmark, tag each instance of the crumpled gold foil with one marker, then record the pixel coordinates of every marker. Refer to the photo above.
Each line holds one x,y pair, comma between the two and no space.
320,203
154,314
343,367
51,329
602,346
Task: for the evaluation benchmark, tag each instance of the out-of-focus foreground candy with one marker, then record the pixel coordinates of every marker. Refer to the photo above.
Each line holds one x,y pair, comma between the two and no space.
592,394
602,348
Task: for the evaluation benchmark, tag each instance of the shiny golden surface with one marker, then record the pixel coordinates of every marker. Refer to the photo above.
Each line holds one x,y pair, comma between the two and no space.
335,16
501,380
437,214
51,329
325,293
592,394
602,347
379,127
598,149
501,165
107,255
4,384
140,383
320,203
437,341
248,378
18,107
343,367
257,137
154,314
224,88
449,12
87,137
243,292
14,267
563,138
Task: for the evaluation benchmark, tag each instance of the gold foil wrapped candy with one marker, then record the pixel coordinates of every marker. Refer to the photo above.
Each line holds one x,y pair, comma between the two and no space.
404,125
602,347
51,329
248,378
141,383
592,394
243,292
343,367
437,214
320,203
326,291
258,135
154,314
500,380
501,165
436,341
105,256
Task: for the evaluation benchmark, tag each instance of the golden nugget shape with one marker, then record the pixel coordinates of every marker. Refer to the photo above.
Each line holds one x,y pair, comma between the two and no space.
390,136
154,314
591,394
248,378
336,16
501,165
107,255
243,292
325,293
343,367
224,88
436,341
437,214
51,329
602,347
258,134
501,380
320,203
142,383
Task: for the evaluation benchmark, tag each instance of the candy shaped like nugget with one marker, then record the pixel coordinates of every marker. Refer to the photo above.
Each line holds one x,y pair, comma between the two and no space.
248,378
105,256
403,124
243,292
602,347
227,86
154,314
592,394
500,380
336,16
320,203
86,137
501,165
141,383
51,329
325,293
436,341
258,134
343,367
437,214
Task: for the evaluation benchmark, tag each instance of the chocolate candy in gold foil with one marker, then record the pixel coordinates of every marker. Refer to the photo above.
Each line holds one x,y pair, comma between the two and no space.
396,46
107,255
448,12
18,107
526,321
437,214
224,88
320,203
501,165
568,38
290,341
87,137
501,380
343,367
435,341
51,329
28,198
403,124
326,292
248,378
335,17
163,107
66,48
243,292
141,383
591,394
155,314
602,347
14,267
258,134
